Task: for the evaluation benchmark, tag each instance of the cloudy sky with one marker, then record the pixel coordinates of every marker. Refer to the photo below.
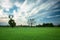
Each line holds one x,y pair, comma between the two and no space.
42,11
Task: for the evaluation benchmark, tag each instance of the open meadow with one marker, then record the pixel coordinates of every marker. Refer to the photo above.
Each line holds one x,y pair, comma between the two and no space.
29,33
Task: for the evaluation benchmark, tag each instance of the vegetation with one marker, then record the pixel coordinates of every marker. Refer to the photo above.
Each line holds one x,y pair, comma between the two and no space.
12,23
43,25
31,22
46,25
26,33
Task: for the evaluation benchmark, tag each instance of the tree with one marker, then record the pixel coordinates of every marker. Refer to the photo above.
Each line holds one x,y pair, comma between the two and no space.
11,21
48,25
58,25
31,22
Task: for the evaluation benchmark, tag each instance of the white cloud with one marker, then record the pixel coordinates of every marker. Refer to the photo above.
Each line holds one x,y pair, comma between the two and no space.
6,4
44,6
17,4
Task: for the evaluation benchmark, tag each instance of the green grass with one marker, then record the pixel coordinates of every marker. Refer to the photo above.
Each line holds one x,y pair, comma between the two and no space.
22,33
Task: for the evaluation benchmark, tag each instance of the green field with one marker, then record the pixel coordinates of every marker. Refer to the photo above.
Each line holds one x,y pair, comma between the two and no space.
26,33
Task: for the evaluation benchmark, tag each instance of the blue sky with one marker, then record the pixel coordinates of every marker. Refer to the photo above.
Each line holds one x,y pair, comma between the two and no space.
42,11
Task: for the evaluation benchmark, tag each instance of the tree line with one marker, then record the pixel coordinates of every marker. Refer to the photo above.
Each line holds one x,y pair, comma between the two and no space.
48,25
39,25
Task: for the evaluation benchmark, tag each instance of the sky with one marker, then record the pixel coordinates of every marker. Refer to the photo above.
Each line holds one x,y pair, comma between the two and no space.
42,11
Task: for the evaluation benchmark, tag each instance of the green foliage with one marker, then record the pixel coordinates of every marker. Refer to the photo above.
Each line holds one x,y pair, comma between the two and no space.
12,23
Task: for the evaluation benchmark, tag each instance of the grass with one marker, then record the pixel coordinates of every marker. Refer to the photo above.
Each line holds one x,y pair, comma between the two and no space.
25,33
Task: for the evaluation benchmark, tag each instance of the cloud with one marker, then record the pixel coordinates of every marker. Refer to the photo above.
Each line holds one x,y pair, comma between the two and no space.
44,10
6,4
53,16
20,1
43,6
25,9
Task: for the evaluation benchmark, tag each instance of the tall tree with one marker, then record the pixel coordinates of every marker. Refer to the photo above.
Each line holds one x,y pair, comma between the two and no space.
31,22
11,21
